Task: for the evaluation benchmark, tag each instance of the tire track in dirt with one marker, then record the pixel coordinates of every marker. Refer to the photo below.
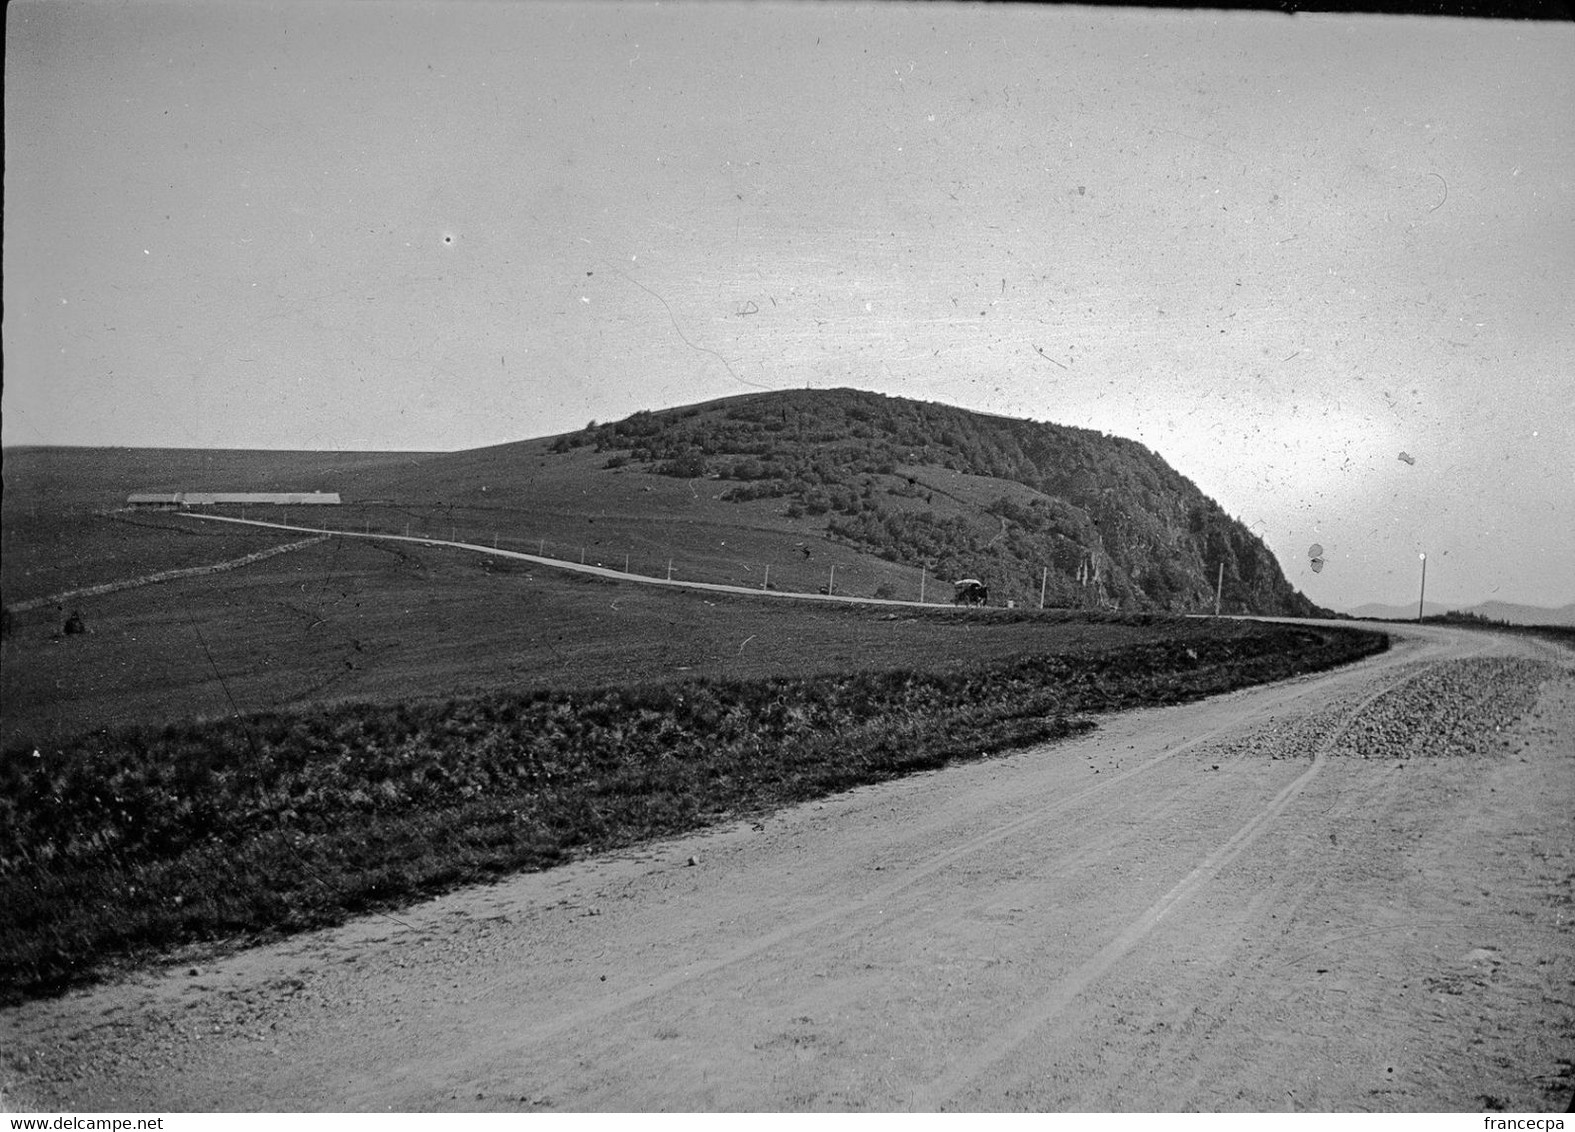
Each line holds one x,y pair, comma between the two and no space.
1407,965
855,913
1149,1069
1056,1000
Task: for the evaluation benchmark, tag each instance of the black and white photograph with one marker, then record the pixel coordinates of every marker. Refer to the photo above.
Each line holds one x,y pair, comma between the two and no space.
637,557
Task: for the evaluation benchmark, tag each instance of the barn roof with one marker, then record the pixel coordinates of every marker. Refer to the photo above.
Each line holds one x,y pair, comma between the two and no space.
203,498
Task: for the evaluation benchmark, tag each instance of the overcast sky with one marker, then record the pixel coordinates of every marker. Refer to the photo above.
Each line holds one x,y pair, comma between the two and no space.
1280,251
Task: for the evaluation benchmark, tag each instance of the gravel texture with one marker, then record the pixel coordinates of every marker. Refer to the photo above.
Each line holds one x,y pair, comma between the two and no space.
1452,709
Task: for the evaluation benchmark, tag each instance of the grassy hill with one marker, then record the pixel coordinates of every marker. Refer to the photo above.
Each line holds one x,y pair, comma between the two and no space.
799,490
892,485
796,490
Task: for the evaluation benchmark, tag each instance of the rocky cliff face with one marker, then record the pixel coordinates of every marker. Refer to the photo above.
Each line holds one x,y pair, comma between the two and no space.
1096,520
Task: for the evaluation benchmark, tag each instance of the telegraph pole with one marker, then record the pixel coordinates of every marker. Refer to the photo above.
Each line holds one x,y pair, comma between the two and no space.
1044,576
1219,588
831,586
1422,597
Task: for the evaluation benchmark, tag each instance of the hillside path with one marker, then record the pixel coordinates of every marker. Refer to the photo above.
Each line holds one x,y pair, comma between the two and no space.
1309,895
162,576
572,567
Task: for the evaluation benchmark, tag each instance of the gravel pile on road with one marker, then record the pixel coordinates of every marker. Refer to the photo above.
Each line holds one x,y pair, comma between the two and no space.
1453,709
1293,735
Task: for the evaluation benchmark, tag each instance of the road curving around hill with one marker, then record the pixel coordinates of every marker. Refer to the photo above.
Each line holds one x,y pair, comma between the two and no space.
573,567
1348,891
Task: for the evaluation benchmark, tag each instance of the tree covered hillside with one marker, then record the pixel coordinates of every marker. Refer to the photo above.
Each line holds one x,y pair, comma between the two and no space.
966,494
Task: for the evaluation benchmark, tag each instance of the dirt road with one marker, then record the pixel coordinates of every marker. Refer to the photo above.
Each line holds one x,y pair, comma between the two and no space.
580,567
1348,891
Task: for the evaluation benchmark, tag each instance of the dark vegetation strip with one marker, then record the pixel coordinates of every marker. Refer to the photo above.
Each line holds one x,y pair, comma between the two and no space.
124,845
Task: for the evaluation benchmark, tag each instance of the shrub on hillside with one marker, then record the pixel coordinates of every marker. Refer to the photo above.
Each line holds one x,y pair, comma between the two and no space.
691,465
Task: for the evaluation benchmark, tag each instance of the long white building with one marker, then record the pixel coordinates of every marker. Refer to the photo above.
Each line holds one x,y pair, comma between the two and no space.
176,499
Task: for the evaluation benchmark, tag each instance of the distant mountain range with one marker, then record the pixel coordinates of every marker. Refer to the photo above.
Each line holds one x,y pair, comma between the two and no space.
1492,610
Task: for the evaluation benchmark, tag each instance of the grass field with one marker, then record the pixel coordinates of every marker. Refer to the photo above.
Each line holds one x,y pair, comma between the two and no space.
128,841
59,530
59,537
64,553
356,724
350,619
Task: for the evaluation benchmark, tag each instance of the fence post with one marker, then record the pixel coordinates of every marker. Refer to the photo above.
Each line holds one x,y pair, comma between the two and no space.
766,585
669,569
831,586
922,568
626,562
1044,576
